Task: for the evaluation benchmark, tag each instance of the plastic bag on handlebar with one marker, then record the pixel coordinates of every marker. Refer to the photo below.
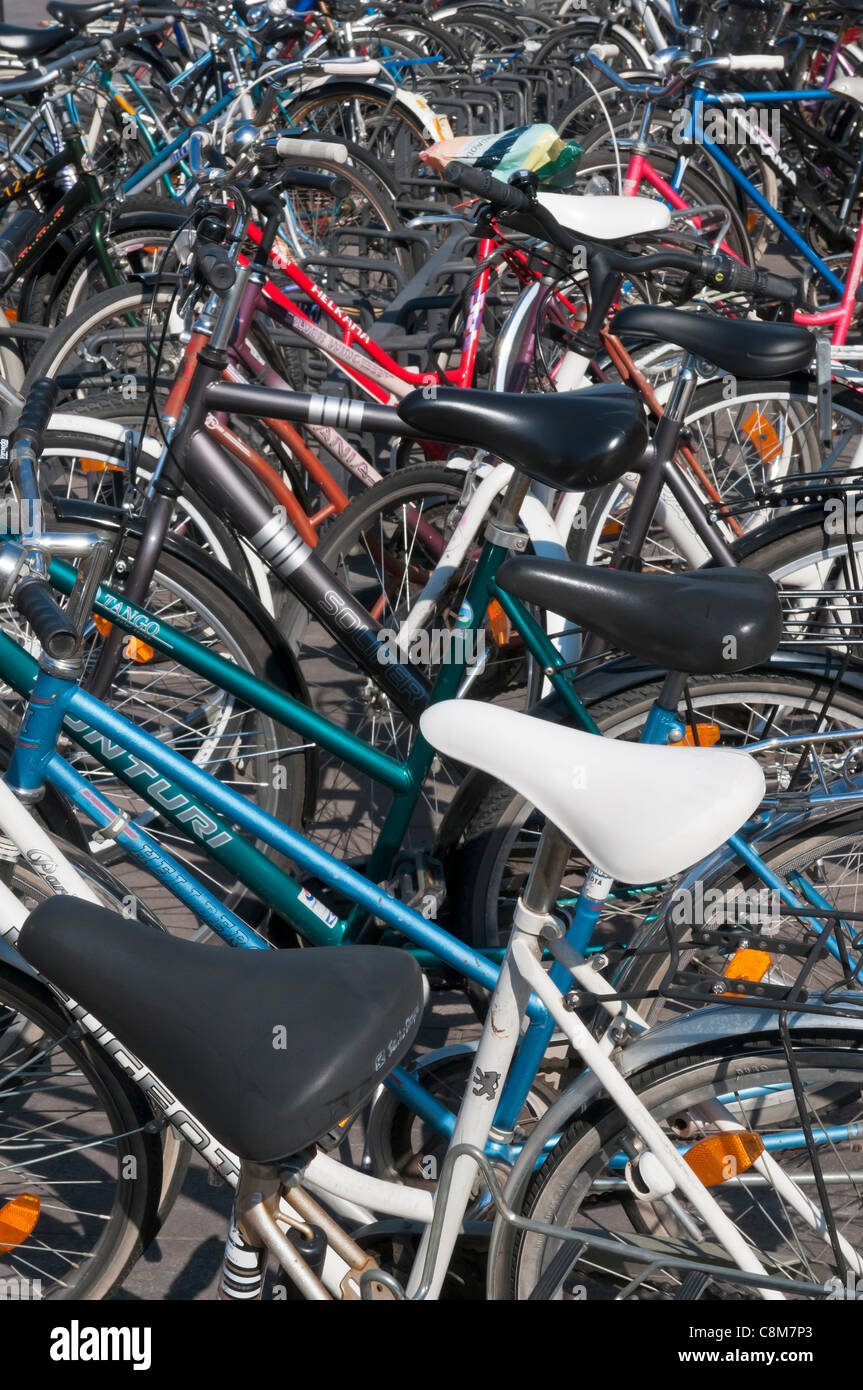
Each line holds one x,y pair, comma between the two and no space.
538,148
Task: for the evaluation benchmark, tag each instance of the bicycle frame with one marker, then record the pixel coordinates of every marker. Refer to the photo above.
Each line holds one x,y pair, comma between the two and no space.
640,170
52,697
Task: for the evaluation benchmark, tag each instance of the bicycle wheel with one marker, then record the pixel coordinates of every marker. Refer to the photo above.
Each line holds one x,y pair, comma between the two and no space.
577,36
113,341
135,242
817,568
30,890
581,1186
88,463
77,1136
826,856
347,211
489,869
367,117
743,436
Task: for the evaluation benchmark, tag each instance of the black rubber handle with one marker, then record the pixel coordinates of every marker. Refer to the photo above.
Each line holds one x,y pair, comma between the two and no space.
35,601
485,185
728,274
38,409
214,265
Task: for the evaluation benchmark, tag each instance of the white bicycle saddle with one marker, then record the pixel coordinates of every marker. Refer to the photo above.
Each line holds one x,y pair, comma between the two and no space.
606,219
850,87
639,811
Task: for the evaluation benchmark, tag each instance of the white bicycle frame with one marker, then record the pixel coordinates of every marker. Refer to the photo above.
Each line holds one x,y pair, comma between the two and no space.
358,1195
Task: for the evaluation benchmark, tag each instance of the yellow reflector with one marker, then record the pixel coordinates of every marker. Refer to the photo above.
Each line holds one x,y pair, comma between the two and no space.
704,735
722,1156
762,436
17,1220
101,625
499,623
139,651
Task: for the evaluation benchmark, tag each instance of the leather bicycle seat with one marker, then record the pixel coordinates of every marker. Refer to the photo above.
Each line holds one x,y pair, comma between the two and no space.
703,622
79,16
208,1020
746,347
572,439
29,43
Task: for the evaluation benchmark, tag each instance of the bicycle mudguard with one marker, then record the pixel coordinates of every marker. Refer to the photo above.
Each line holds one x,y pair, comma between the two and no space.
11,958
695,1030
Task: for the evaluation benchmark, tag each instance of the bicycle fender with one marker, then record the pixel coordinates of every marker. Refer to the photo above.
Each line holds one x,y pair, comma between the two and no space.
10,957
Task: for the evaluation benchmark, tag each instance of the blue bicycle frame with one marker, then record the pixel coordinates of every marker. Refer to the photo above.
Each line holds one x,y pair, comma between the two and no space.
35,761
694,130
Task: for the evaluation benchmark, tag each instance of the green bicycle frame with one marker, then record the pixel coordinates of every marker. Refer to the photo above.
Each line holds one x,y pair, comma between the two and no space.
403,778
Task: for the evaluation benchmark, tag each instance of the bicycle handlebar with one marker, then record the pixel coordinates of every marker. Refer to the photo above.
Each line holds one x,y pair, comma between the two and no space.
485,185
742,62
37,412
718,270
20,86
215,265
289,148
35,601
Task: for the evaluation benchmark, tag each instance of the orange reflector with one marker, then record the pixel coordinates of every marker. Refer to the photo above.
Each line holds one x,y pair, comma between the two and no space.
612,527
12,315
101,625
498,623
17,1219
748,965
100,466
704,735
722,1156
762,436
136,650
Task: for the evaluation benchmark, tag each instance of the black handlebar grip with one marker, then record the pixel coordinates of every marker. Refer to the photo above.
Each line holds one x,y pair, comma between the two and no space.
485,185
35,601
731,275
214,265
778,287
38,409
